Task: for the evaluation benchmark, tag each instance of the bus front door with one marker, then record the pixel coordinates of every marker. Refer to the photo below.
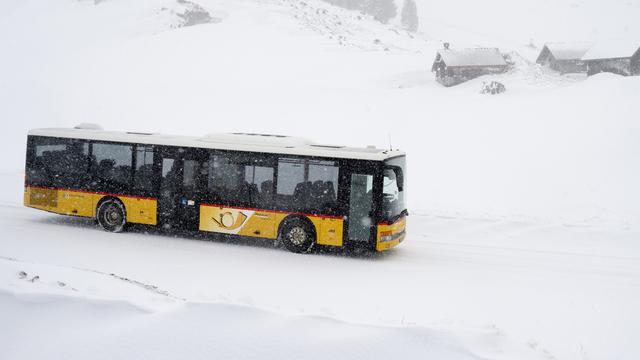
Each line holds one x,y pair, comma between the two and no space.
360,208
182,175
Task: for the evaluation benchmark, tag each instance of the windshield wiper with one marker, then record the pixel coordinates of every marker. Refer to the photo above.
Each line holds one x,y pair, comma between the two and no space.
395,218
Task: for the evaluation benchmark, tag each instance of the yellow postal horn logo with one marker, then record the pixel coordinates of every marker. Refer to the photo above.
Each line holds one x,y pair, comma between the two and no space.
228,222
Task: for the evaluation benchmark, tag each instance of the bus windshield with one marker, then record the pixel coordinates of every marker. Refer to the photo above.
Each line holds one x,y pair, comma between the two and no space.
393,189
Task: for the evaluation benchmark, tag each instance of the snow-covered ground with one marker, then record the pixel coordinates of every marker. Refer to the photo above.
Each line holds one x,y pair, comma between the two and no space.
523,238
458,288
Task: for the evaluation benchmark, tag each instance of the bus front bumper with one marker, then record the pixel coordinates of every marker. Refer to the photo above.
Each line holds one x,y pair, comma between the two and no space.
391,235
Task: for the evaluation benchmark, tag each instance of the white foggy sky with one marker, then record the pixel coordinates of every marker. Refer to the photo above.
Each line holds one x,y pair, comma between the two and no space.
541,20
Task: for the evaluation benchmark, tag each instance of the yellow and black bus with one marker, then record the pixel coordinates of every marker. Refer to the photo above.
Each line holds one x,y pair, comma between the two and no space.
269,186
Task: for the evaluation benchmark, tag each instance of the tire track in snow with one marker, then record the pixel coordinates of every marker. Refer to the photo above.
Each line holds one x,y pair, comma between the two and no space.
148,287
612,267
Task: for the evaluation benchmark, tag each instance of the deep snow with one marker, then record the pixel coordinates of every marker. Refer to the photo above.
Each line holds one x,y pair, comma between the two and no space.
525,207
465,287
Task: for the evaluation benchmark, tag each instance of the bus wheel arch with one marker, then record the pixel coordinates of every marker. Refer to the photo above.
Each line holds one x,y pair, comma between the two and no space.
111,214
297,233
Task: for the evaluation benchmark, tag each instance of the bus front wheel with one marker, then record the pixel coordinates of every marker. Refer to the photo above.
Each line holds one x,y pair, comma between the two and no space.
111,215
297,235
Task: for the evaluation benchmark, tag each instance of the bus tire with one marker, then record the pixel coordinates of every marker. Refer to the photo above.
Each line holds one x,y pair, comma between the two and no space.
111,215
298,235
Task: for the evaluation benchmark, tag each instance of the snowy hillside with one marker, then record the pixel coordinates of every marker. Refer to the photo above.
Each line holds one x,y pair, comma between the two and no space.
537,151
525,209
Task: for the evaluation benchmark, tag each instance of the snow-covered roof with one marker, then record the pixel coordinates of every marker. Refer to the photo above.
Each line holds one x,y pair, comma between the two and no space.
568,51
472,57
613,49
279,144
256,139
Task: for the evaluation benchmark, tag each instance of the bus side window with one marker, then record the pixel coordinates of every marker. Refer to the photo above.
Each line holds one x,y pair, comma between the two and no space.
226,180
309,185
112,166
292,189
194,179
323,176
260,181
143,179
169,179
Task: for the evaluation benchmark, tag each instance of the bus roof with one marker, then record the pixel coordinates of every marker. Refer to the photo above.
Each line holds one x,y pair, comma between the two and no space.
277,144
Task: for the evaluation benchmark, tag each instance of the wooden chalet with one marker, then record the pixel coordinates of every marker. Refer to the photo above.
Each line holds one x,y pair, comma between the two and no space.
453,67
564,57
618,57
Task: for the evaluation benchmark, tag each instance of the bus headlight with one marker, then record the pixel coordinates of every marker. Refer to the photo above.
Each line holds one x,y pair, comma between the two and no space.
386,236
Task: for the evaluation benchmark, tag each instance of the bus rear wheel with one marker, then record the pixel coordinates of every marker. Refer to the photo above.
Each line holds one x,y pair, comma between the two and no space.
111,215
298,236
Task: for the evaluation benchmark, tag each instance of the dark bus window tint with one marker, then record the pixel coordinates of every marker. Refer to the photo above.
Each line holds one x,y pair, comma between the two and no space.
226,180
111,165
323,176
290,176
41,149
310,185
260,179
194,176
167,167
168,187
191,170
224,174
292,189
59,162
144,177
240,179
169,181
360,207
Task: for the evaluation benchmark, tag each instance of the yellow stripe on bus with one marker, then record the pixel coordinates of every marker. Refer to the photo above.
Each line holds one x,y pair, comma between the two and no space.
82,203
264,223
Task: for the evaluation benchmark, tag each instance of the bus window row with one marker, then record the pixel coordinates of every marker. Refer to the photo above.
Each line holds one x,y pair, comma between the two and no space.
72,163
288,183
241,179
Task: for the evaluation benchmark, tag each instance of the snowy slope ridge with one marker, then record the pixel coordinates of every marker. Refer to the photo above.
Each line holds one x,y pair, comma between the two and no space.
118,319
191,14
401,12
352,28
195,330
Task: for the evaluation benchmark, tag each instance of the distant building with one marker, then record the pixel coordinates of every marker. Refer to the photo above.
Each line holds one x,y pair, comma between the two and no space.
618,57
564,57
453,67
